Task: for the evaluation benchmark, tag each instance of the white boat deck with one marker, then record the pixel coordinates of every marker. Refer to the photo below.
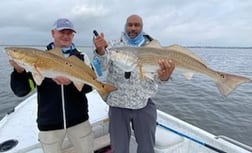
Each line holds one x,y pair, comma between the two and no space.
173,136
24,120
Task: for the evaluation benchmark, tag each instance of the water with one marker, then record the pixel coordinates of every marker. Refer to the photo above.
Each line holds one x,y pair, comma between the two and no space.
196,101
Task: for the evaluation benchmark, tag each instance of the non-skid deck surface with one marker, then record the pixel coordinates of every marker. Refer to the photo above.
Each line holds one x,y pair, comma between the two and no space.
98,143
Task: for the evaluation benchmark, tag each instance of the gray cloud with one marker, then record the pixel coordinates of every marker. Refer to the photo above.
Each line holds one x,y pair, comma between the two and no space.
195,22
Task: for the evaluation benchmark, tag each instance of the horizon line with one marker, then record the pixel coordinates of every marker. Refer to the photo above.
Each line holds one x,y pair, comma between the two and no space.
188,46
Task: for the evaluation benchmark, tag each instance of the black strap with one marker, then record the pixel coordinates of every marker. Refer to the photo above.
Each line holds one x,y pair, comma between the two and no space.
127,75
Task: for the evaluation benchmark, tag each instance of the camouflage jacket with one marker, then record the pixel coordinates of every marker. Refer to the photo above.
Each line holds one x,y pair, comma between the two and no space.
132,92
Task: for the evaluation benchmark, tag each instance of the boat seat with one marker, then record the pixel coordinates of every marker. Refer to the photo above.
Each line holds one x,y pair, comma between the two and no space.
166,139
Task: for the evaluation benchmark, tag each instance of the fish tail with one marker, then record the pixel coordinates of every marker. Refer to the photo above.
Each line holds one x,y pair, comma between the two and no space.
229,82
140,66
105,90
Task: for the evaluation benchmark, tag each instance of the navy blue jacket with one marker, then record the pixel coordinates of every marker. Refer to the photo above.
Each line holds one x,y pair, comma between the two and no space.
50,111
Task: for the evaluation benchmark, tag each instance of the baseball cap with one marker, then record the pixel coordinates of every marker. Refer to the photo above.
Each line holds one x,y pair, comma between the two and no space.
63,23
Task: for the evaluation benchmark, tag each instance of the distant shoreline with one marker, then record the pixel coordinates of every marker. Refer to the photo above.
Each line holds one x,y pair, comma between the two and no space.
218,47
90,46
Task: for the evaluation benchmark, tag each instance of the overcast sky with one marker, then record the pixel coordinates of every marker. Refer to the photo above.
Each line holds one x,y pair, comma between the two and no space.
184,22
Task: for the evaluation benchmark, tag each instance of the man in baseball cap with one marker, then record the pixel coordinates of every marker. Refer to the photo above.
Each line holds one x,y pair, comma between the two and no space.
72,121
63,34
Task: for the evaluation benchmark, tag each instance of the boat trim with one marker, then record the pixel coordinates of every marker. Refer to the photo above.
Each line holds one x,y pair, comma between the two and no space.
242,145
192,139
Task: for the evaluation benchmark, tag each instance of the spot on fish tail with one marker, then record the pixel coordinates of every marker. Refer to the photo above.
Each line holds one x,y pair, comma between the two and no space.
69,64
222,75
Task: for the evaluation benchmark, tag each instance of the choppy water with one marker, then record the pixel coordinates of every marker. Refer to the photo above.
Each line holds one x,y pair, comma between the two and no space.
196,101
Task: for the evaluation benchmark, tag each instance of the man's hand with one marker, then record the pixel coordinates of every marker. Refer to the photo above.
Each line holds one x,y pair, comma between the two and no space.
166,69
62,80
18,68
100,44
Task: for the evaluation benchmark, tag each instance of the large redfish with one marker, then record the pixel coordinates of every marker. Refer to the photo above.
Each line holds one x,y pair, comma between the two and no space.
146,60
52,64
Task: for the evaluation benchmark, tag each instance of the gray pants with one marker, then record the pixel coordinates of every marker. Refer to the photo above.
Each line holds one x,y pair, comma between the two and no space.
143,123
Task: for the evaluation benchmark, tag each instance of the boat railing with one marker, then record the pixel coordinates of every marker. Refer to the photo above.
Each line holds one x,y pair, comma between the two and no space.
242,145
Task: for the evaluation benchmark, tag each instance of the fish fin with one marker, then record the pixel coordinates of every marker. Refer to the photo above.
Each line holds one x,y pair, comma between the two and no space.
188,75
184,50
76,61
149,71
78,86
56,51
228,82
37,76
141,72
154,44
149,75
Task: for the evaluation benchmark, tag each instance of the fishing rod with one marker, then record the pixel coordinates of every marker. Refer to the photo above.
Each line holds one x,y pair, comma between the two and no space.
193,139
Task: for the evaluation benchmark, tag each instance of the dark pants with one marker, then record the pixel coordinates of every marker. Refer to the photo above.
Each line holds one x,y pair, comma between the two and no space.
143,123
